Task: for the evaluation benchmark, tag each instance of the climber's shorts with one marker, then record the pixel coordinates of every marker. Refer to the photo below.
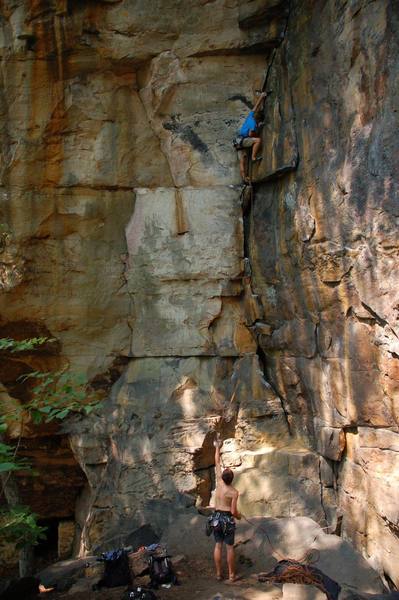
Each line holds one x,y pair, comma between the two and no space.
247,142
224,531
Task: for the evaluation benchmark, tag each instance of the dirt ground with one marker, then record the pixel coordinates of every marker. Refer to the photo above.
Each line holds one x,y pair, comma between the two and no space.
197,582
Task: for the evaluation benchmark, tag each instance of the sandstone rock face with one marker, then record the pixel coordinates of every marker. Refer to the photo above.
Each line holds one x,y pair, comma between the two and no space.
123,237
323,247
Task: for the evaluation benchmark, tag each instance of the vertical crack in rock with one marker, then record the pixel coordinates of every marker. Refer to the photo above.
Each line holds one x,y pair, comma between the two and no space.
263,362
322,494
248,216
283,37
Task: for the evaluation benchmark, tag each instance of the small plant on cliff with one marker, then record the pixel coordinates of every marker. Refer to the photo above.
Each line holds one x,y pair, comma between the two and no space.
18,525
8,459
11,345
54,396
59,394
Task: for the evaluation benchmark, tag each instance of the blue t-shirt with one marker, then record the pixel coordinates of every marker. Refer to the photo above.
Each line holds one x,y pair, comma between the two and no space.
248,125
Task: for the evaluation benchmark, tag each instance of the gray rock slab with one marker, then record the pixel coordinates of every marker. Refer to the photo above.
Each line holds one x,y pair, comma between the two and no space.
64,574
296,591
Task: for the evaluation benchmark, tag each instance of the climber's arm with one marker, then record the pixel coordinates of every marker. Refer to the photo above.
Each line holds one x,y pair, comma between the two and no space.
234,506
259,101
218,464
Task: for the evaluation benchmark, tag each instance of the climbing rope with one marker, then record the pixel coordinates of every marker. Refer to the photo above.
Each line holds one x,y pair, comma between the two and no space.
293,572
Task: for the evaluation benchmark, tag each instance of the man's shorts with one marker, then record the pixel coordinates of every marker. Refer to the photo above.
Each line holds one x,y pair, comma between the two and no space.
224,532
247,142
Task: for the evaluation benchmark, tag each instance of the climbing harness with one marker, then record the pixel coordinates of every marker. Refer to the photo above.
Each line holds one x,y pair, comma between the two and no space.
221,522
238,142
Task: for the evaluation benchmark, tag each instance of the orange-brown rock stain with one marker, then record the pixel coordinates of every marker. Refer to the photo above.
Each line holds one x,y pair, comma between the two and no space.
47,111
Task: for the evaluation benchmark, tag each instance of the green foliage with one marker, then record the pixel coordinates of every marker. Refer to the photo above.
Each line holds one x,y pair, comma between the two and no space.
11,345
9,461
55,396
19,526
59,394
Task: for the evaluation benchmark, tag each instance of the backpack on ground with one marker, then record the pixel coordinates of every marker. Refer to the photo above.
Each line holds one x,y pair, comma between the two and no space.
116,569
161,571
139,593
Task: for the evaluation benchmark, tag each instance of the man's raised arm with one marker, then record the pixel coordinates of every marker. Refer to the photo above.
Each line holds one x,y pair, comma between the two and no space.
261,98
218,444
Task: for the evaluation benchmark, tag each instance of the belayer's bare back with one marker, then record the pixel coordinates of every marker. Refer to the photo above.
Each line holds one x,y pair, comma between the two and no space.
224,496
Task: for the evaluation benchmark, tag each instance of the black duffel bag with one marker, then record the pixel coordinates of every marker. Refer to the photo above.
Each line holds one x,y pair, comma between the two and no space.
116,569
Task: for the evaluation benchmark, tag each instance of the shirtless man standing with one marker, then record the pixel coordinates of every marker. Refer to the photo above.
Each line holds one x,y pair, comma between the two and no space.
226,498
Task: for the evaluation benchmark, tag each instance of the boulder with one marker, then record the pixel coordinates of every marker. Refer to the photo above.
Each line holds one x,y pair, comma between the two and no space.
62,575
296,591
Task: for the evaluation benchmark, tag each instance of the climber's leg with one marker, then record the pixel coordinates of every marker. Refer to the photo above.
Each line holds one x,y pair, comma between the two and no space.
256,147
247,144
217,556
243,164
231,562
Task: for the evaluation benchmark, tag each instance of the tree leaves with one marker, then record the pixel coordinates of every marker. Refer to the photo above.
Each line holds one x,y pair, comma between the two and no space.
19,526
55,396
11,345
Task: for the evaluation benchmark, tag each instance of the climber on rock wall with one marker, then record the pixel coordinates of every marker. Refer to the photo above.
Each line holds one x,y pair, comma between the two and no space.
248,136
222,520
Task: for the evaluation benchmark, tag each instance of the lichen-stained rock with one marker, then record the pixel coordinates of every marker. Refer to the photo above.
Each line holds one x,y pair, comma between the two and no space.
177,281
88,133
282,481
199,149
98,101
369,495
72,258
153,439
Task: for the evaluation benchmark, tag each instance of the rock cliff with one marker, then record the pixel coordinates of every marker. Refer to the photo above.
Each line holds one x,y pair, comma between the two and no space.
124,237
